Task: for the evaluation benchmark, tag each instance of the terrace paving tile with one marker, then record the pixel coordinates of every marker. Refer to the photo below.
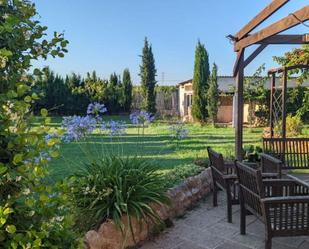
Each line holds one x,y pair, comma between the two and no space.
205,227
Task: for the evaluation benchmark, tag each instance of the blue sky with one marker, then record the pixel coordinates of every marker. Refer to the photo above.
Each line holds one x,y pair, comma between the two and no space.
108,36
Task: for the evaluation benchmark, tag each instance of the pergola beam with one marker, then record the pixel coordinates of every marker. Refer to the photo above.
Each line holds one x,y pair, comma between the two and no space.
286,39
254,54
288,68
273,40
288,22
261,17
249,59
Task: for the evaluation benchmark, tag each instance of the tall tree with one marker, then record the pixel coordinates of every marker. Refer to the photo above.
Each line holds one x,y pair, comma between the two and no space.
200,83
113,93
127,90
213,95
148,78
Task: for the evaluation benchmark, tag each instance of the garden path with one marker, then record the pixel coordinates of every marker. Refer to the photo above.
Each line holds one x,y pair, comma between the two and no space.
205,227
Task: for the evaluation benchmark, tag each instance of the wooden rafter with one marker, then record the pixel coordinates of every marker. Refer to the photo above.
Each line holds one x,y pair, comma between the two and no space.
275,28
286,39
282,69
276,39
254,54
261,17
249,59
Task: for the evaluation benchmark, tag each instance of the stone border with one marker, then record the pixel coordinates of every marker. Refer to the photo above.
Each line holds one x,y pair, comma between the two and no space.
183,197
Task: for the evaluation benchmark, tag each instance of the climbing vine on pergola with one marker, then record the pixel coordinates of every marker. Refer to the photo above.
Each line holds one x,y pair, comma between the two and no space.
267,36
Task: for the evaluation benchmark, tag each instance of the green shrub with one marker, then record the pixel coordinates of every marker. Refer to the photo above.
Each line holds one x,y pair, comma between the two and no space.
251,153
180,173
294,125
33,213
112,187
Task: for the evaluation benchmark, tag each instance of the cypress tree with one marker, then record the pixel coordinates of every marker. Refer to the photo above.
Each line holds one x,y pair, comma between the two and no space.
113,94
148,78
200,84
213,95
127,90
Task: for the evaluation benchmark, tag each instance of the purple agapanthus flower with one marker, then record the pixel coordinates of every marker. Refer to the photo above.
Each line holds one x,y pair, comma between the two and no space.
141,117
96,109
103,126
50,135
178,131
78,127
117,128
42,156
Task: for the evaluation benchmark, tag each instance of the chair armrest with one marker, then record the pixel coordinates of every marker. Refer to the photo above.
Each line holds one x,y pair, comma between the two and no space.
229,164
285,200
279,182
270,175
230,177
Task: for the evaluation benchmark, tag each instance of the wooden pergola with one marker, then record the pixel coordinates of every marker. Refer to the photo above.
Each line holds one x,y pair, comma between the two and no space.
267,36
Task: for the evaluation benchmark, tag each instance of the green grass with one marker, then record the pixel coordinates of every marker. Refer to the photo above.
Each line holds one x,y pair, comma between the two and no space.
156,146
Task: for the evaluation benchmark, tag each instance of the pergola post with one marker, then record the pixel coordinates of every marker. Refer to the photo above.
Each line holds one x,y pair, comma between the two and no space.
239,114
272,88
284,100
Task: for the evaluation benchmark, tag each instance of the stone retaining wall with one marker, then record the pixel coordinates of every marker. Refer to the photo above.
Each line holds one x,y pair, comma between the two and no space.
183,197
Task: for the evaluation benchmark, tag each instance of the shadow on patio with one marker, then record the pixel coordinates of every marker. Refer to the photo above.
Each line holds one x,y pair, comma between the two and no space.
206,227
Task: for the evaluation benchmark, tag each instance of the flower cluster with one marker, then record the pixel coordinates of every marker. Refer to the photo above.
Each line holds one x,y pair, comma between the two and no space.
42,156
117,128
141,117
178,131
77,127
96,109
50,136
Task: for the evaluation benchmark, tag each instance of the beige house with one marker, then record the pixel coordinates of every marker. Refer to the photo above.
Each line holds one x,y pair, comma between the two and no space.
226,103
225,111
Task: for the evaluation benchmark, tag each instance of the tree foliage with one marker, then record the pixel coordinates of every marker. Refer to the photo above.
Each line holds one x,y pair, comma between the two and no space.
60,94
298,101
33,212
200,83
127,90
213,95
114,93
255,93
298,56
148,78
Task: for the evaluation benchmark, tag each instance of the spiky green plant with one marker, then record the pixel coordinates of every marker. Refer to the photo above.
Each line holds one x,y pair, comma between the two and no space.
112,187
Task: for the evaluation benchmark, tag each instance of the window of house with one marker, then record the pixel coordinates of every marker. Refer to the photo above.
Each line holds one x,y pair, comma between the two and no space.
189,100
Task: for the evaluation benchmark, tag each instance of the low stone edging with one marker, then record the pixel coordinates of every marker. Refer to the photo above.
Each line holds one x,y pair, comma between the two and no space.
183,197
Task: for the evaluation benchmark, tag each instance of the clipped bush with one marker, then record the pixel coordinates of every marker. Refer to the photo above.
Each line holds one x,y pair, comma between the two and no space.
113,187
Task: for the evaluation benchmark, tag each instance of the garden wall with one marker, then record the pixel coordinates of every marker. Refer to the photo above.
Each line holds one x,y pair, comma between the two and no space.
183,197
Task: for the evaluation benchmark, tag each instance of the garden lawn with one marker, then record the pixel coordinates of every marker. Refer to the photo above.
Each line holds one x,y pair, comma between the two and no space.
156,145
